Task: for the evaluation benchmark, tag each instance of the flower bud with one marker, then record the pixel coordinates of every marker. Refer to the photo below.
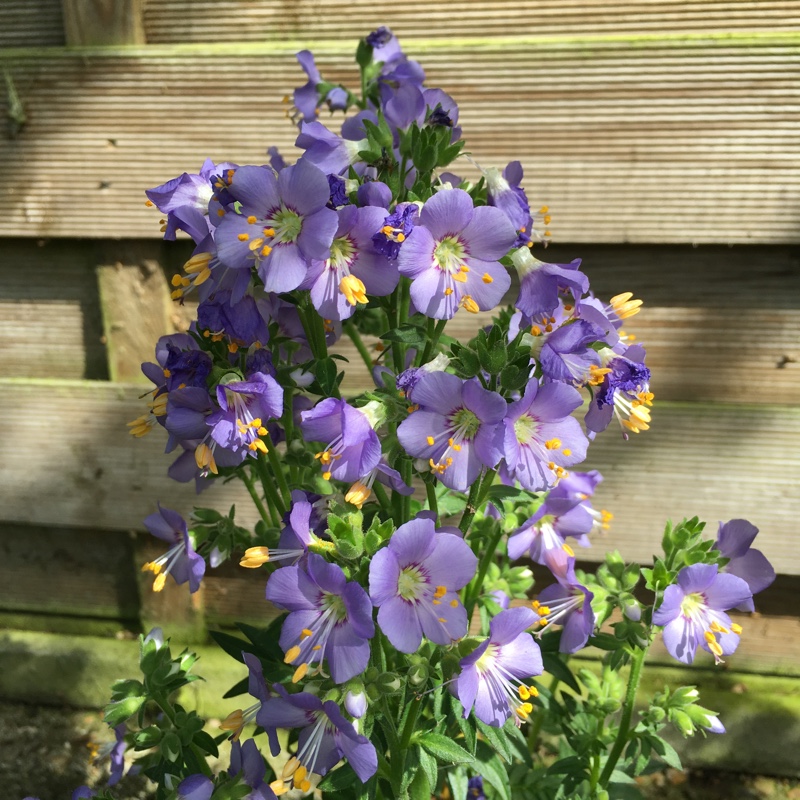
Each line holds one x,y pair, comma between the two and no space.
355,701
682,721
418,675
388,683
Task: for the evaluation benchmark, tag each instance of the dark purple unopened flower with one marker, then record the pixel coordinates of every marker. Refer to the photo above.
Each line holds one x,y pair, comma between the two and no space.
338,192
181,561
693,612
457,427
352,448
326,737
734,541
452,256
395,229
330,619
493,676
567,603
240,323
623,391
541,283
414,581
281,223
247,761
541,438
354,268
475,789
196,787
185,201
245,406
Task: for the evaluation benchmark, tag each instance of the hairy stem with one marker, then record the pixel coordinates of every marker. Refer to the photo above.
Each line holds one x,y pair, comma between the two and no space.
277,469
355,338
250,484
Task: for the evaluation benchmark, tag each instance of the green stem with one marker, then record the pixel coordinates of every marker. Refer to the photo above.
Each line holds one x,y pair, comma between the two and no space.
355,338
536,725
383,498
594,777
408,728
430,490
434,332
477,494
249,483
277,468
270,492
474,588
405,472
627,714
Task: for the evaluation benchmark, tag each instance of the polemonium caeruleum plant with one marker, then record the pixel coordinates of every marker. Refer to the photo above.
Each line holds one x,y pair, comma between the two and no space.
413,655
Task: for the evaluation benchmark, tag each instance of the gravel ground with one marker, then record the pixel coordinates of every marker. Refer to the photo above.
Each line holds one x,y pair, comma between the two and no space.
44,752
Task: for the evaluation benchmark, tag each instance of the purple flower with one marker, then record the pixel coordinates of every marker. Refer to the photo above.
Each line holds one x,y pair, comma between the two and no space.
567,603
541,438
330,619
693,612
395,229
246,759
457,427
181,560
475,789
326,737
540,283
355,701
196,787
734,541
580,487
185,201
242,323
493,675
542,537
414,581
361,490
452,256
354,268
281,224
352,447
306,98
624,392
244,408
257,687
504,192
332,153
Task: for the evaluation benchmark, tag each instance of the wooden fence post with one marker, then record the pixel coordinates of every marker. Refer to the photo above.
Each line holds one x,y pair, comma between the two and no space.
89,23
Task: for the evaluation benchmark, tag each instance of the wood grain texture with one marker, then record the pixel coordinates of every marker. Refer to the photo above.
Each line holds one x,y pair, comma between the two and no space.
92,23
31,23
49,311
652,140
714,461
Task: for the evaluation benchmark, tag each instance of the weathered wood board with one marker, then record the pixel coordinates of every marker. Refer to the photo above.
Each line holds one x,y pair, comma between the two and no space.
41,22
716,461
637,139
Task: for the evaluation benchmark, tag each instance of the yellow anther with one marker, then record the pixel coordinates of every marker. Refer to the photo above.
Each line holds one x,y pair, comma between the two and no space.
526,708
254,557
358,494
251,220
544,209
568,550
736,628
442,619
624,306
258,445
305,633
566,451
300,775
412,408
469,304
203,457
291,654
306,784
430,440
176,280
454,603
290,767
464,268
177,294
233,347
448,291
220,212
300,673
401,237
243,237
233,721
709,637
317,647
523,692
269,232
278,788
386,230
441,591
149,203
266,250
326,476
534,692
717,628
255,244
542,611
536,330
158,583
353,290
715,648
437,602
553,444
547,219
487,278
151,566
460,277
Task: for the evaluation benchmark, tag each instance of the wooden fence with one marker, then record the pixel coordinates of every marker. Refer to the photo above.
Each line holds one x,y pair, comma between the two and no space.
663,135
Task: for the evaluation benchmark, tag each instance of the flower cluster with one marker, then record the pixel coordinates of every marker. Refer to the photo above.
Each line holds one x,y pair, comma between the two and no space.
386,598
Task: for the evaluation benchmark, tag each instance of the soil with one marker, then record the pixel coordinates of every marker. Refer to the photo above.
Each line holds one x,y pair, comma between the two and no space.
45,752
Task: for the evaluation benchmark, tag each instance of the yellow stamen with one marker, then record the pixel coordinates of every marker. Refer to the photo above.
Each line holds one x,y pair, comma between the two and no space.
251,220
448,291
158,583
736,628
254,557
487,278
353,290
358,494
300,673
469,304
291,654
243,237
430,440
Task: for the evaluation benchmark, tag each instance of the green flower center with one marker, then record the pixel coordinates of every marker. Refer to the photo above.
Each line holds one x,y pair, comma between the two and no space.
287,225
449,254
525,428
409,584
336,604
692,603
465,422
342,252
486,661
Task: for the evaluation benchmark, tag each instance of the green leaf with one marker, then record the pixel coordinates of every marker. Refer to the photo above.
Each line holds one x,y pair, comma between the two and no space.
666,752
171,746
420,788
239,688
459,782
206,742
558,669
496,738
232,645
445,749
325,372
425,159
119,711
428,764
409,334
493,771
339,780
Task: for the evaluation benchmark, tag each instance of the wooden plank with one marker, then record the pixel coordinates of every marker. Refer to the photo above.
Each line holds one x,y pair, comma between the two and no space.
29,23
246,20
89,23
629,140
68,572
49,310
136,308
716,461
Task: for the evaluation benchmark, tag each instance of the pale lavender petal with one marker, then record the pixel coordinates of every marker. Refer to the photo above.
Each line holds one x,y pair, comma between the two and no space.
413,434
413,542
670,607
305,188
317,233
697,577
439,390
347,654
399,621
452,562
256,189
489,234
754,568
283,269
487,282
361,755
416,254
447,213
291,589
507,625
735,537
467,688
384,573
681,639
727,591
